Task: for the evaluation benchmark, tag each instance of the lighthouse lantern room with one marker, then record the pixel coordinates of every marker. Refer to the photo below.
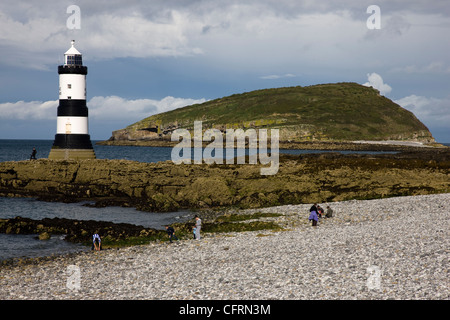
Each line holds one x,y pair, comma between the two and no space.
72,139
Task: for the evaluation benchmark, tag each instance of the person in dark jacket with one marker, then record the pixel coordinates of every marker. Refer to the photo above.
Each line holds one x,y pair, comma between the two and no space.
171,233
33,154
319,211
313,208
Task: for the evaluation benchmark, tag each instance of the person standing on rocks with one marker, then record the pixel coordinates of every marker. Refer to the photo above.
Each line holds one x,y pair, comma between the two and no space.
198,226
33,154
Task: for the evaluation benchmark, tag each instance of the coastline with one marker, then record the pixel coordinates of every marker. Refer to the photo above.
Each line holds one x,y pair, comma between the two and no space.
386,145
165,186
400,237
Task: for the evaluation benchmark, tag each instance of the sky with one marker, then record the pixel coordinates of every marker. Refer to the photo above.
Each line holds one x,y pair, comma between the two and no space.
147,57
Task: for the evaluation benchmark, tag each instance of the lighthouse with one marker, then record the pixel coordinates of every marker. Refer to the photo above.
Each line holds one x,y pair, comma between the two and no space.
72,139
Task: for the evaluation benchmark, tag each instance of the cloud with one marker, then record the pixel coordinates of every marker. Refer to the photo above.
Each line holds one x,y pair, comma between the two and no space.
35,36
22,110
100,108
434,67
433,112
37,119
117,108
376,81
392,27
251,33
276,76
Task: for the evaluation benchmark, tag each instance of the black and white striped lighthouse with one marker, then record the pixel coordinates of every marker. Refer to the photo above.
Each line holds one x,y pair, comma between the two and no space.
72,139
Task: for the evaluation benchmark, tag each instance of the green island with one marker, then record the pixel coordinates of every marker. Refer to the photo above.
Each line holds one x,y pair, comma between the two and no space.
326,113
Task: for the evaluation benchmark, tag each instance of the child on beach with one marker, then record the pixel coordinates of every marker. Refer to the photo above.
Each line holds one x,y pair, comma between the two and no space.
171,233
319,211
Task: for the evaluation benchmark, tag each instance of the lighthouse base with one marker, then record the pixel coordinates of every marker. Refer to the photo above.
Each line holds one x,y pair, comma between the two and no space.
71,154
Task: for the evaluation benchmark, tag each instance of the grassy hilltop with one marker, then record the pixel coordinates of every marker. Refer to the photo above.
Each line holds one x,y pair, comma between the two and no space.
326,112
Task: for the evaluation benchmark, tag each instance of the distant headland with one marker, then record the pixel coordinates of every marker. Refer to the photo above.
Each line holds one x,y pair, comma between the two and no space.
326,116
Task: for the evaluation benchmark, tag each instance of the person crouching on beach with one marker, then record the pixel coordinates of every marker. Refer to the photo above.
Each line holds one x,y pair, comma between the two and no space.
96,242
329,212
319,211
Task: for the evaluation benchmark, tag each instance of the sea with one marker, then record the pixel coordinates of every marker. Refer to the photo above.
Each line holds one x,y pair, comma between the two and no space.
28,246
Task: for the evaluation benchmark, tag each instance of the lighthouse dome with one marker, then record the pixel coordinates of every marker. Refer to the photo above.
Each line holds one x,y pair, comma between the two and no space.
72,57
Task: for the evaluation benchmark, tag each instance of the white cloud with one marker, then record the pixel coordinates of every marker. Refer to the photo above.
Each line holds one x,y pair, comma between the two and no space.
231,40
38,35
433,112
115,108
242,34
435,67
277,76
100,108
376,81
22,110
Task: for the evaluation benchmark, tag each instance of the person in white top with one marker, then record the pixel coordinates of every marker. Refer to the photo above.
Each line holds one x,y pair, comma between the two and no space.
96,242
198,226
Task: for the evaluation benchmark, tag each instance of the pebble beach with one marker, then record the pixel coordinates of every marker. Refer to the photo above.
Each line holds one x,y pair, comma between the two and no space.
393,248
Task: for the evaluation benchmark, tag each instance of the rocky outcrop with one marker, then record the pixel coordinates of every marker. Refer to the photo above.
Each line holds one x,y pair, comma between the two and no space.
165,186
76,231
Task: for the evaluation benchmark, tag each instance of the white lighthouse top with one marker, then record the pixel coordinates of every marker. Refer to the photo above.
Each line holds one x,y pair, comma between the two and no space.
73,56
72,49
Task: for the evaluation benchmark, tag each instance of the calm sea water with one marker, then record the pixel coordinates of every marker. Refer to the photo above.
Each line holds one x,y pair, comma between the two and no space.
12,246
17,150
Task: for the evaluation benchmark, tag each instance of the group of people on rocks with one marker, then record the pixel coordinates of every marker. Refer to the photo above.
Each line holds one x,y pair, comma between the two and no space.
316,212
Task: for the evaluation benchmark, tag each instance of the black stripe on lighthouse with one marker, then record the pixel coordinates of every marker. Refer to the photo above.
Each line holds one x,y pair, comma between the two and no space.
72,70
72,108
72,141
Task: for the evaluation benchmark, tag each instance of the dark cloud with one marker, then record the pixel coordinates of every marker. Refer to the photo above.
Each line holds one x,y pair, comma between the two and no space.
209,48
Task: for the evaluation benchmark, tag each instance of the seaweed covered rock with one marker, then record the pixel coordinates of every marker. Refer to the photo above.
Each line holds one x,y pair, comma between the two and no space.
77,231
165,186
